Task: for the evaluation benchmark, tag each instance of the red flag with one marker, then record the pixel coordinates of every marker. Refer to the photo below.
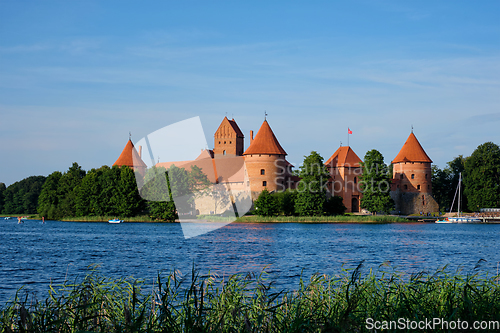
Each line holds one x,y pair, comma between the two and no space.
349,131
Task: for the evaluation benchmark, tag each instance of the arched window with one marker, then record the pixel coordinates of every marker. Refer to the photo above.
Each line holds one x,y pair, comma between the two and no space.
355,180
224,152
418,187
264,183
412,176
262,171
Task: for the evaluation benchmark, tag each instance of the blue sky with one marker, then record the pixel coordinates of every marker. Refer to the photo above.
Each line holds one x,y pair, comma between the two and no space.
76,77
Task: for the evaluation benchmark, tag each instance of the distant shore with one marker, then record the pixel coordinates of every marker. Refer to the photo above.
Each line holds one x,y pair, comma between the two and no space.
263,219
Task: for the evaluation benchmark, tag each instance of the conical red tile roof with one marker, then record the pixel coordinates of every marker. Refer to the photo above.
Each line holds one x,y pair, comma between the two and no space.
265,142
344,156
128,156
412,151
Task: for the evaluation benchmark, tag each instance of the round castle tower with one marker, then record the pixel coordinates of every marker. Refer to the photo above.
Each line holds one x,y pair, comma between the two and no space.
411,185
265,162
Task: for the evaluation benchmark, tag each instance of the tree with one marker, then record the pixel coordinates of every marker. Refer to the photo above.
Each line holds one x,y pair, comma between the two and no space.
156,190
441,187
266,204
286,201
48,201
376,183
2,191
311,189
130,202
22,196
67,190
335,206
482,177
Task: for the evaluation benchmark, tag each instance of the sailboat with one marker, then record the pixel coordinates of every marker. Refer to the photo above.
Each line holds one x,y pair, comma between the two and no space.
458,218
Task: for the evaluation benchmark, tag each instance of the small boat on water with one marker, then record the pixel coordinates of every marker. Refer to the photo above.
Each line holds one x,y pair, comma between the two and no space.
459,219
115,221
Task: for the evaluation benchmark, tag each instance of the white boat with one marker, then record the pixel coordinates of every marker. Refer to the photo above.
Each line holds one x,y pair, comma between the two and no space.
458,218
115,221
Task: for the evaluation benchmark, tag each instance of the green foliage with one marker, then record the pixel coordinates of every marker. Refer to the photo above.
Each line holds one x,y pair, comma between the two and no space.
67,190
482,177
286,201
445,182
249,303
376,183
22,196
2,191
311,190
48,200
266,204
335,206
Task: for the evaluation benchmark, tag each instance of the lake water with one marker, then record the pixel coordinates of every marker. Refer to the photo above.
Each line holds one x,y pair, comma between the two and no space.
35,254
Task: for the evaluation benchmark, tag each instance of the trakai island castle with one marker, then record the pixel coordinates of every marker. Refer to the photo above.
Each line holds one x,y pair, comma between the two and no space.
263,165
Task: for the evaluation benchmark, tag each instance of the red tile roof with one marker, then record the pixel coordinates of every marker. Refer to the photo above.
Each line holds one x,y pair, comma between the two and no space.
344,156
265,142
130,157
234,126
412,151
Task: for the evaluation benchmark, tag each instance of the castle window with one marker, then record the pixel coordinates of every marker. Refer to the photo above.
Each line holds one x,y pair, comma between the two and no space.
262,171
401,176
418,187
224,142
355,180
264,183
219,142
224,152
406,187
230,142
425,176
412,176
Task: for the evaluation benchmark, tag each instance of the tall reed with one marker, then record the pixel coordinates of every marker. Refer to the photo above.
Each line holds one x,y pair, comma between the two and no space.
250,303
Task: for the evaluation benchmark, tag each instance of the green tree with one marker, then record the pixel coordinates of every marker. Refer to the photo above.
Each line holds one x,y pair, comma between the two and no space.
130,202
482,177
48,201
2,191
311,189
266,204
376,183
22,196
156,190
441,187
286,201
335,206
67,190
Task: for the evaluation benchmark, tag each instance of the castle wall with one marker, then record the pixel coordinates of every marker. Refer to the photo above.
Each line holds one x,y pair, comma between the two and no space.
266,171
408,203
412,177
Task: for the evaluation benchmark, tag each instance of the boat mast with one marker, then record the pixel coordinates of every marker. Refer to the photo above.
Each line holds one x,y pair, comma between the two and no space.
459,190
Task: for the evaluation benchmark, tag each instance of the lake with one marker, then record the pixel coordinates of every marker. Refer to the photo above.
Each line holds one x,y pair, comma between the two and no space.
35,254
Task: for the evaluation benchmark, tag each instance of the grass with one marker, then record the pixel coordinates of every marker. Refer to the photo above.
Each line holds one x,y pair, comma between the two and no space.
320,219
249,303
141,218
260,219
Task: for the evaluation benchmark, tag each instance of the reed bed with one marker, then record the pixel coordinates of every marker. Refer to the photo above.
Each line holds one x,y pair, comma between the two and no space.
321,219
250,303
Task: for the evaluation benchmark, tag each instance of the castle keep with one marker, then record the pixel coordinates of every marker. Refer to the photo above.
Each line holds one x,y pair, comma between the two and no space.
263,165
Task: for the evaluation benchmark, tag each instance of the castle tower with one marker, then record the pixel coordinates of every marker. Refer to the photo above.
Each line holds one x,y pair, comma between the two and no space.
411,186
131,158
344,169
265,162
228,139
